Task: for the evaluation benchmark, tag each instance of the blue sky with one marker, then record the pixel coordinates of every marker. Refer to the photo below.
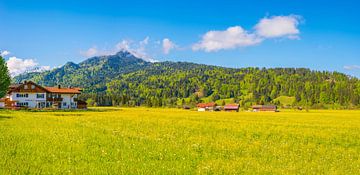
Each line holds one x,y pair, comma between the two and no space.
321,35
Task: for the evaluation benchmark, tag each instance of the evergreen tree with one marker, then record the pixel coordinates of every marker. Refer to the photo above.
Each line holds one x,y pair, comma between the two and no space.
5,79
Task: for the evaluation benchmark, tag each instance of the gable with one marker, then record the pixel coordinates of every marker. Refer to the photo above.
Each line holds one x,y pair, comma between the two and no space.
29,87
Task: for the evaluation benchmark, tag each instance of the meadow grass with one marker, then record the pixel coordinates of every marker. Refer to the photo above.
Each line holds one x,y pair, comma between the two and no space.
175,141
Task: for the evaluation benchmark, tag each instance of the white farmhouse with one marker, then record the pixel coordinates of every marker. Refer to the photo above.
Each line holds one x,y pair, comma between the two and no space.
31,95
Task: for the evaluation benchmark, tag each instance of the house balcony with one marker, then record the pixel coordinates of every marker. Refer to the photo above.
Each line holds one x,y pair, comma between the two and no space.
54,99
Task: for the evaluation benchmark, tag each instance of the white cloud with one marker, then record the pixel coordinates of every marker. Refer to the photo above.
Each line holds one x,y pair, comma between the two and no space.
123,45
352,67
231,38
145,41
4,53
235,37
18,66
90,52
138,49
167,45
279,26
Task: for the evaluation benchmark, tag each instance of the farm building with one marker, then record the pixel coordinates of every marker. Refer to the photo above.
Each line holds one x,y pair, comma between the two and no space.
206,106
2,102
32,95
81,104
265,108
232,107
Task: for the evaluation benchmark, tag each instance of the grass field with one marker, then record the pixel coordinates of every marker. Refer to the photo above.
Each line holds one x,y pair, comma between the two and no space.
174,141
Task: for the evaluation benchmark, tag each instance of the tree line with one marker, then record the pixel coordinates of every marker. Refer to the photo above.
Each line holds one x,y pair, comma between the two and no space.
173,84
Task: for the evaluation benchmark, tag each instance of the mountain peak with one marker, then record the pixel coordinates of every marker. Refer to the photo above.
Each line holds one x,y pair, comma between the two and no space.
125,53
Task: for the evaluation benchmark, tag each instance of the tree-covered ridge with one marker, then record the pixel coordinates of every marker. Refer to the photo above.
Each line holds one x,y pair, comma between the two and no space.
123,79
92,74
162,83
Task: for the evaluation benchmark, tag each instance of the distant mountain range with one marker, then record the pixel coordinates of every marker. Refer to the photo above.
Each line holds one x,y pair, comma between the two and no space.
91,74
123,79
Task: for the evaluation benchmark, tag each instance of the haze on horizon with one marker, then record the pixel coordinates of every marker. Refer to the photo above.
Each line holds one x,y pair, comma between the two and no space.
319,35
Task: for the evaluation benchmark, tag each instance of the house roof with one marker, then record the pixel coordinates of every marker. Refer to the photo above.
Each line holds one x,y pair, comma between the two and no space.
63,90
231,106
15,87
59,89
264,106
204,105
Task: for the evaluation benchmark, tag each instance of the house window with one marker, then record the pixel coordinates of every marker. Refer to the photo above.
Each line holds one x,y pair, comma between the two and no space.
64,104
25,86
22,95
23,104
40,95
32,86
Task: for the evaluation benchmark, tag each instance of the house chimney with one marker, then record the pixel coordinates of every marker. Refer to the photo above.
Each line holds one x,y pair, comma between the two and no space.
59,86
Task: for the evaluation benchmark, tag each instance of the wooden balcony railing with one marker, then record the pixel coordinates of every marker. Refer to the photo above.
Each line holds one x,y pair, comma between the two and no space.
53,99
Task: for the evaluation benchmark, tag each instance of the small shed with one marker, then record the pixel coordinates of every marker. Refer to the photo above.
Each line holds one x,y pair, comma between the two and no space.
206,106
81,104
264,108
232,107
186,107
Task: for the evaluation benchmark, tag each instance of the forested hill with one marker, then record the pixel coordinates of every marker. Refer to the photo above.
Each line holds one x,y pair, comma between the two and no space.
91,74
126,80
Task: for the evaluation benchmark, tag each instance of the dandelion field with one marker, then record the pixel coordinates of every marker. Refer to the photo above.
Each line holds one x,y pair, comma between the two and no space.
175,141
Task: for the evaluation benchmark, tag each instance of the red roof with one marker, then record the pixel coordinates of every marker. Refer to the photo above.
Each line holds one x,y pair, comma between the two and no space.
264,107
205,105
58,89
231,106
63,90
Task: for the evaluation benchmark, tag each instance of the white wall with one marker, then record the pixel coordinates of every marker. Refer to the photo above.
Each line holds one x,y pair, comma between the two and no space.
68,99
31,99
2,104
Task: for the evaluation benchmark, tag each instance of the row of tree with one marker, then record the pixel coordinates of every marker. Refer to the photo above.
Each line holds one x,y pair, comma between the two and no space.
164,84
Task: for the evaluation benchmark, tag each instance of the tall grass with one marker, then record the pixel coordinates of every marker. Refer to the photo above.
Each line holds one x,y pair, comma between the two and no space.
173,141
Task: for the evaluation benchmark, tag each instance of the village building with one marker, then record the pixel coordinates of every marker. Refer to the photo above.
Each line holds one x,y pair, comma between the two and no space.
232,107
2,102
264,108
32,95
206,106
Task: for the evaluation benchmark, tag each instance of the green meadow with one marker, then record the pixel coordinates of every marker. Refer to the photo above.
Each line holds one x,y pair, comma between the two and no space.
175,141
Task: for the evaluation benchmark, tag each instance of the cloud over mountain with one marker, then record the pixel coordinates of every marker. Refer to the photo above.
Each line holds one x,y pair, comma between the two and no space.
235,37
18,66
278,26
231,38
4,53
167,45
352,67
138,49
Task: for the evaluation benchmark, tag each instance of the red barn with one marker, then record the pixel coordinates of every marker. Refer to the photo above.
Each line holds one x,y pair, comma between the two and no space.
266,108
232,107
